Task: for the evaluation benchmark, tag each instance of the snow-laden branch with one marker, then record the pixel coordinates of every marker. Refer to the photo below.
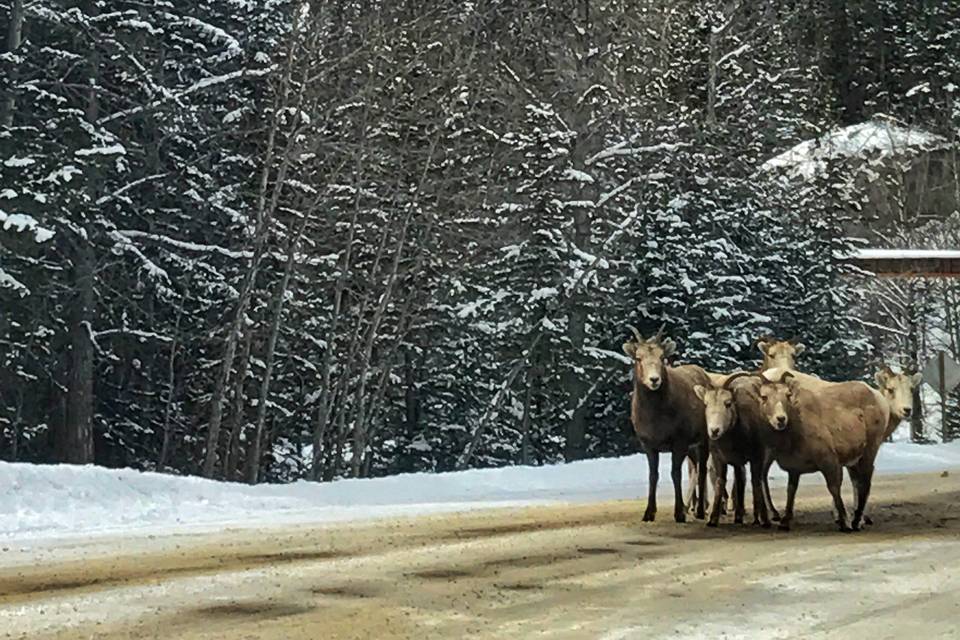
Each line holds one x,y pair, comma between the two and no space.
119,192
186,246
622,149
7,281
157,273
137,333
610,195
732,54
605,353
197,86
22,222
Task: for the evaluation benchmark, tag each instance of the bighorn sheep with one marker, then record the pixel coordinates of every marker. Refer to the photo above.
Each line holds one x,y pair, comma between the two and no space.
667,416
824,427
716,380
776,354
897,390
735,431
779,353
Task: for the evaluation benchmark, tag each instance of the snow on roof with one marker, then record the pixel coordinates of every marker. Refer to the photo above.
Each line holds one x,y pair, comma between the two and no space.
879,136
908,254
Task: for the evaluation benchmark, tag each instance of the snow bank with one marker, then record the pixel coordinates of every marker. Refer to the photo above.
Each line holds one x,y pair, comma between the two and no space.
876,138
38,501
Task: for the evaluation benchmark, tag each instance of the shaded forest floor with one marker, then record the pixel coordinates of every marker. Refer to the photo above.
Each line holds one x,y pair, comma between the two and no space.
575,571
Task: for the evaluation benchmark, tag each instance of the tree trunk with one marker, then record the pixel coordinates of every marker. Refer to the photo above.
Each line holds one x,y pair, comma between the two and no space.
268,197
14,37
712,78
573,378
233,442
253,457
533,380
914,337
76,442
840,64
171,389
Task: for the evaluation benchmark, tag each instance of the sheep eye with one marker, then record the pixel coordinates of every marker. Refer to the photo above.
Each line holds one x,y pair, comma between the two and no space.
728,404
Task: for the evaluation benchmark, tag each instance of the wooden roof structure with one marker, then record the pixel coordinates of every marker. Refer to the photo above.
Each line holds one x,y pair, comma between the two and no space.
910,263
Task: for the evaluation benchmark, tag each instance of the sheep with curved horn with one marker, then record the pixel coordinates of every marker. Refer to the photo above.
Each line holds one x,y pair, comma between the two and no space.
733,428
667,416
824,427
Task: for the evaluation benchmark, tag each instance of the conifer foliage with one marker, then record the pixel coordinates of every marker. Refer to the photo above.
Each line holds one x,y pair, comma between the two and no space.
294,239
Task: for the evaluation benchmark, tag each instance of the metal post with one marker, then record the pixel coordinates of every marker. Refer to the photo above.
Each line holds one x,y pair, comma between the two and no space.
941,357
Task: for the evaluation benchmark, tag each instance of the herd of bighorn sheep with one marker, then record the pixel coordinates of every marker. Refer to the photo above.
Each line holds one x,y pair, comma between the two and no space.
776,414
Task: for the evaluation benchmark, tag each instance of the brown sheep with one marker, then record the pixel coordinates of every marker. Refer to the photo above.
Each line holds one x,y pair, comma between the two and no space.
735,428
896,390
716,380
824,427
667,416
779,353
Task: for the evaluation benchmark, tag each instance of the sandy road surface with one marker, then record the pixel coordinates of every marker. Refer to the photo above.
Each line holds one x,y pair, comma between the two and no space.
580,571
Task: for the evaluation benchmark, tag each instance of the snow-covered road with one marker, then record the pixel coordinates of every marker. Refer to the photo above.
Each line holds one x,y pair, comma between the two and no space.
558,571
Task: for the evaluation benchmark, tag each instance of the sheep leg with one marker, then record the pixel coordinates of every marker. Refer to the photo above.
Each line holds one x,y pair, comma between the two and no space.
703,456
723,497
771,510
834,477
692,480
719,480
865,479
760,515
653,464
676,473
739,487
793,482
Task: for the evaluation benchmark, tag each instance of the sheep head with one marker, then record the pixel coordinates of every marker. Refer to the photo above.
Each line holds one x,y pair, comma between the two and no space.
897,388
776,396
780,353
720,409
649,357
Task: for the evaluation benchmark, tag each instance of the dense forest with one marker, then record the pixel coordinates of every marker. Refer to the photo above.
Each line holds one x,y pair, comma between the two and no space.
287,239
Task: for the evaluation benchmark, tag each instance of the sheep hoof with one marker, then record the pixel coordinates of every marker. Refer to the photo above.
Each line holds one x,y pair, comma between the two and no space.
648,516
765,525
738,520
680,517
712,523
775,516
867,520
845,529
783,526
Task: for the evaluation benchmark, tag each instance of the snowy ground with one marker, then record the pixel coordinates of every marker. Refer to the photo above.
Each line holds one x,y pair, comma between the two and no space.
40,502
564,571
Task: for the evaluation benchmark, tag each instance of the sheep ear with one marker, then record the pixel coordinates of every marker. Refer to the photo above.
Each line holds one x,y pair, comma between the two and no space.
629,348
669,347
916,379
799,348
763,347
881,377
700,390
